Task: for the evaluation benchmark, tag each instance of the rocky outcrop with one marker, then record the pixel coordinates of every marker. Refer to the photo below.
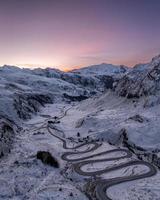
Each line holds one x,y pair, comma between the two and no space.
47,158
7,132
107,81
142,81
75,98
138,118
27,104
141,153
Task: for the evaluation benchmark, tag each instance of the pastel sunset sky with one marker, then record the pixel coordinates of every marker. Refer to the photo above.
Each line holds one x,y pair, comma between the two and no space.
76,33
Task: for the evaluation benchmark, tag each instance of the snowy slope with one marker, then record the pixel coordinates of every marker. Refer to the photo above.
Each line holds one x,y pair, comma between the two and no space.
31,88
142,82
54,84
108,117
102,69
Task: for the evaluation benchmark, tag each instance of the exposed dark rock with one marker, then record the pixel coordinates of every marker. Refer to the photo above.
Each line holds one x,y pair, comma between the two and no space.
142,81
51,122
138,118
47,158
79,123
75,98
107,81
7,133
71,194
140,152
78,134
28,103
38,133
79,79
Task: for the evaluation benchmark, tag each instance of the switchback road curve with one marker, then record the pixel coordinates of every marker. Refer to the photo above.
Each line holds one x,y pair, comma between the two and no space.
101,186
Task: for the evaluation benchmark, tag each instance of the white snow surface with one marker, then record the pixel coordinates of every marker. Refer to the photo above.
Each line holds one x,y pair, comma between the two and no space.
102,69
30,179
101,117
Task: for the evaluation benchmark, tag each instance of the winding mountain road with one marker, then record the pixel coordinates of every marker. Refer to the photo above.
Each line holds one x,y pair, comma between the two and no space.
101,186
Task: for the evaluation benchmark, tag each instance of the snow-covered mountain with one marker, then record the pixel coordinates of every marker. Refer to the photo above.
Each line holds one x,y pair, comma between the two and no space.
39,86
25,91
142,81
120,110
102,69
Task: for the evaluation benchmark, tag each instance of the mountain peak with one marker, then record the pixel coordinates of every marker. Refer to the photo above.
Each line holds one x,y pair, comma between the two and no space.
156,59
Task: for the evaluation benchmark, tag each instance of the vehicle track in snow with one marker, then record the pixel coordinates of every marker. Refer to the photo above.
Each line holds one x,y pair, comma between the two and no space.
101,186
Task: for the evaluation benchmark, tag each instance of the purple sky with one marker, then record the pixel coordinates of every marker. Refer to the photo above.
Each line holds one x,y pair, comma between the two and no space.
75,33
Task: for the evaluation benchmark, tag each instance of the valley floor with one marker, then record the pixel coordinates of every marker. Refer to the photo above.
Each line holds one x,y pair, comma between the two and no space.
22,176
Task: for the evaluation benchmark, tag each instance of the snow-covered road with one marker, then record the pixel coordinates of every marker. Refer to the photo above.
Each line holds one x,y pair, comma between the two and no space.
103,185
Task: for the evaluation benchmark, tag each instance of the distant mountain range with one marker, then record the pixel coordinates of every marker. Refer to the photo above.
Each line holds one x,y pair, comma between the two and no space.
139,81
102,69
24,91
